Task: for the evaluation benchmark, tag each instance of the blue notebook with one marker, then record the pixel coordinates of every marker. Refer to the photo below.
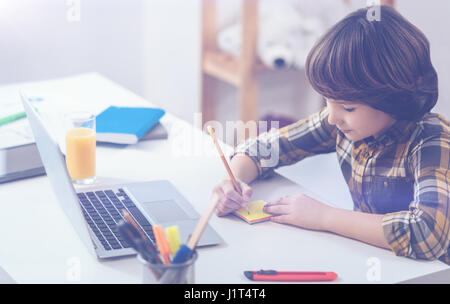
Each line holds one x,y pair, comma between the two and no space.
125,125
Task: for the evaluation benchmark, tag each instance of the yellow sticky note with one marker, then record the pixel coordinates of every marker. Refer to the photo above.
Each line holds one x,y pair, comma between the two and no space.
256,215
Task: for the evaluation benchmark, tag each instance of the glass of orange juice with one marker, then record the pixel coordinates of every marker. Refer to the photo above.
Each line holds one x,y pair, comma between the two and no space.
80,147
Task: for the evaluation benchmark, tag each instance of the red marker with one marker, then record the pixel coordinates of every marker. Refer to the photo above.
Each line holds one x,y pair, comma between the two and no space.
293,276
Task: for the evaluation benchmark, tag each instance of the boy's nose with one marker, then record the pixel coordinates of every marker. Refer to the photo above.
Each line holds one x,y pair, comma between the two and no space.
332,119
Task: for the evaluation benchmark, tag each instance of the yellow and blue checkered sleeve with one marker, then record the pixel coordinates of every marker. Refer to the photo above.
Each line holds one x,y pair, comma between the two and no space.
290,144
423,231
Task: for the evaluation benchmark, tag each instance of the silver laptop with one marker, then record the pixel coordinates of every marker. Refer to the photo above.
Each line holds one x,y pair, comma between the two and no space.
95,211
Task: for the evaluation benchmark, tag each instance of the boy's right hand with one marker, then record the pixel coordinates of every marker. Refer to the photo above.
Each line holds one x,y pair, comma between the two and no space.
228,199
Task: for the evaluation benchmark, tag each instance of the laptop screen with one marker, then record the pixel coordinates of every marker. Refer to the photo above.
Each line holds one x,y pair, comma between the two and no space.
56,170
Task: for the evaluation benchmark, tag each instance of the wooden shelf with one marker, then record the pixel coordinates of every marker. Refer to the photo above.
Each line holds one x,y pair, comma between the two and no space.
222,66
225,66
238,71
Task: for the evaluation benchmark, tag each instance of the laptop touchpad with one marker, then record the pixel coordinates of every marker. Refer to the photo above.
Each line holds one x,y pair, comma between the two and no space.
165,211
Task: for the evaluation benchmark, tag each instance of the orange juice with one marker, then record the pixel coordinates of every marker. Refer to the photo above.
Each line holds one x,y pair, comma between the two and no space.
80,153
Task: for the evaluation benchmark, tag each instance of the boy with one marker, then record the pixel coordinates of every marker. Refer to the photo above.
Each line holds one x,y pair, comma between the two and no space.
379,86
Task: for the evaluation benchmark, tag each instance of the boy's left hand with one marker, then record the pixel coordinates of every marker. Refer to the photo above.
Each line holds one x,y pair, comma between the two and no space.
299,210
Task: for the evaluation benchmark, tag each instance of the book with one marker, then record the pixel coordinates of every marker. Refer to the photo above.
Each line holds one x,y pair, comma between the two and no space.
158,131
19,162
256,215
126,125
19,156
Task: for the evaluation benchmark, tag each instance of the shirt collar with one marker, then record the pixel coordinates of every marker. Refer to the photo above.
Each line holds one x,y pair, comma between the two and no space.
396,131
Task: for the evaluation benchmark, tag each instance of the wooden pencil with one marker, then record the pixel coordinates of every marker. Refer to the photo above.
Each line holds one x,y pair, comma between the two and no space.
225,163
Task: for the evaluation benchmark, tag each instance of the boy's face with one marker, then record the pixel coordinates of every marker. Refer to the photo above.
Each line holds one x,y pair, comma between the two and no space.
356,120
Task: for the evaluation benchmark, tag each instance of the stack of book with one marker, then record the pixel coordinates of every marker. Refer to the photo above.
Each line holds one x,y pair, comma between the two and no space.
128,125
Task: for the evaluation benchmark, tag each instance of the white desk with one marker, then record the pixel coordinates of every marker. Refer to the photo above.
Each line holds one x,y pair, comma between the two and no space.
40,246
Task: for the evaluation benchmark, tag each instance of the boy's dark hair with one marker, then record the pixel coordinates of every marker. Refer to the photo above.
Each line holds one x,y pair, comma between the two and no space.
385,64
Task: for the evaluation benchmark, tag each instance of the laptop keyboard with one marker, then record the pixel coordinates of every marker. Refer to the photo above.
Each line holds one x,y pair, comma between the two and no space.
103,211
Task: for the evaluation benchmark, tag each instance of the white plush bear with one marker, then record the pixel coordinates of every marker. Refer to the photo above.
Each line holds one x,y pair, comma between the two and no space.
287,31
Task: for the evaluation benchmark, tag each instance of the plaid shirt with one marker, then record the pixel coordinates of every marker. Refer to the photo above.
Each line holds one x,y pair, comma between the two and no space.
403,174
